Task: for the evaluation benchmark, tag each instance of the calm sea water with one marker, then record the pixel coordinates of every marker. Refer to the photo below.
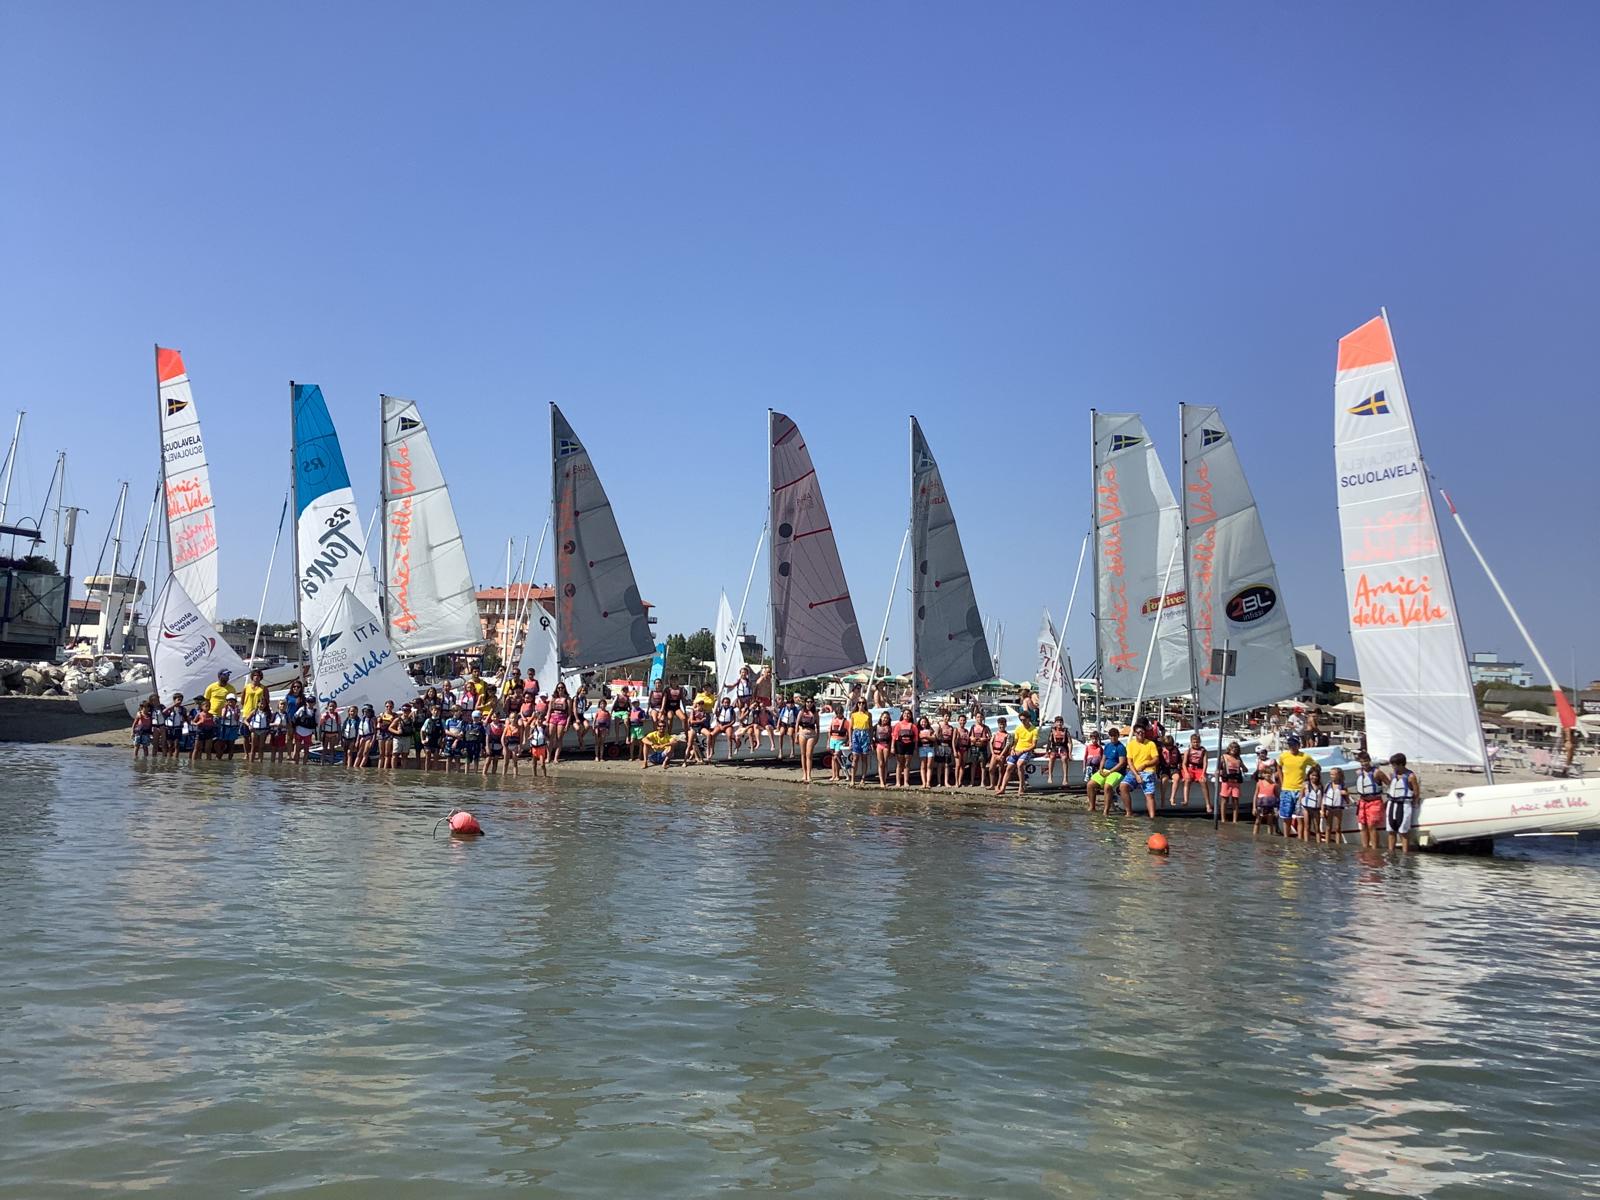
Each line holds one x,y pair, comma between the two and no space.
216,983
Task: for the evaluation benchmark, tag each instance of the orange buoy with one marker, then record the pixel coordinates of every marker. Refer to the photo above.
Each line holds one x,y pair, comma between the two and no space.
464,824
1157,843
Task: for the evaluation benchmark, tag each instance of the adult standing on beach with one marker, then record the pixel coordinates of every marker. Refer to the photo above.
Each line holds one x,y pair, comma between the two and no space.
1293,765
904,734
255,696
807,724
219,693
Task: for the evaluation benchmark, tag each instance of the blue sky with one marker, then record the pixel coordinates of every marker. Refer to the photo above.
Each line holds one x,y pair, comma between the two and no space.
668,217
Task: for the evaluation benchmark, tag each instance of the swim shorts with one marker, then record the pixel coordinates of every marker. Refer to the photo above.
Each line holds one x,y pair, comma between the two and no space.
1399,815
1194,774
1369,812
861,741
1288,801
1145,782
1228,791
1022,759
1105,780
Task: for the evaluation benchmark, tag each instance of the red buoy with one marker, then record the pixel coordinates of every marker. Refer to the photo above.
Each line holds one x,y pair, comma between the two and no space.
1156,844
464,824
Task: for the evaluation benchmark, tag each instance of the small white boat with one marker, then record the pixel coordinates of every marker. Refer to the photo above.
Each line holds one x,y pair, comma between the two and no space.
1504,809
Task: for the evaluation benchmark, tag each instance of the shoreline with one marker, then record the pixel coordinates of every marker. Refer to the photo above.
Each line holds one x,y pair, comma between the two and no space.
55,721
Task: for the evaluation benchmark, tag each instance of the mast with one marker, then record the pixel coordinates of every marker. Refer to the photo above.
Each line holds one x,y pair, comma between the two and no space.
294,503
383,521
113,588
11,466
911,477
1433,514
1183,544
261,611
161,447
772,600
1094,566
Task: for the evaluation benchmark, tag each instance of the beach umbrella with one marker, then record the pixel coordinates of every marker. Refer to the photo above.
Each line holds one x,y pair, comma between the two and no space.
1526,716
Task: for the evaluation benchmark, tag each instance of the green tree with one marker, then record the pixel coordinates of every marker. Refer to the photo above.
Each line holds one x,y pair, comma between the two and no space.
701,645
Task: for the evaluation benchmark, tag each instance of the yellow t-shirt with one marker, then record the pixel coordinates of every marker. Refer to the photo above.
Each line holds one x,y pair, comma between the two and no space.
1142,754
860,720
706,700
656,740
1293,764
255,695
218,694
1024,739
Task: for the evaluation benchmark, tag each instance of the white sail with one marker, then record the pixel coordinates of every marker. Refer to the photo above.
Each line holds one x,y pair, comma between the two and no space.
948,646
191,518
540,654
430,604
328,529
1137,528
186,652
352,661
1403,620
726,639
1230,580
814,627
1058,694
600,618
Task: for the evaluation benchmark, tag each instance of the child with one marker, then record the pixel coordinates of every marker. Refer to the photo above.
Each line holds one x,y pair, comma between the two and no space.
1369,802
349,735
539,740
229,728
1230,778
472,741
202,729
1194,771
636,725
278,730
455,736
1333,805
1405,794
601,723
494,732
366,735
1266,796
143,731
1310,806
260,720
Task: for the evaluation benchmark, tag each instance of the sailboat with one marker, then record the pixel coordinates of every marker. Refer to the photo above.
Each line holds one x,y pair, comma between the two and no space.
948,646
430,604
1141,629
191,541
1057,692
600,618
185,650
1404,624
814,626
1230,580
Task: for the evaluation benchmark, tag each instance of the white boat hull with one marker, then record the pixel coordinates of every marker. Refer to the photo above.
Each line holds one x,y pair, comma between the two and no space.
1505,809
126,697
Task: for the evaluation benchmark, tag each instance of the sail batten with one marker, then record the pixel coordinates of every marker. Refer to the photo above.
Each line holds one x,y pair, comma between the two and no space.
600,617
814,626
186,485
949,649
1231,580
1404,624
330,537
1137,529
430,602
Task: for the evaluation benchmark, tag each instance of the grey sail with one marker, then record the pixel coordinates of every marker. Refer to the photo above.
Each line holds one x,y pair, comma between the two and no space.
600,618
948,649
814,628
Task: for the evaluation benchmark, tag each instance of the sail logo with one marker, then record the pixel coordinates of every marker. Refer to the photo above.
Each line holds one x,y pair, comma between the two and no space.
1374,405
175,405
324,642
407,424
1210,437
1251,604
1380,474
199,651
173,629
1124,441
566,446
1170,600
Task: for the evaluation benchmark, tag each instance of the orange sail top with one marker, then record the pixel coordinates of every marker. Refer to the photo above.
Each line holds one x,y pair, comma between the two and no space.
169,364
1367,346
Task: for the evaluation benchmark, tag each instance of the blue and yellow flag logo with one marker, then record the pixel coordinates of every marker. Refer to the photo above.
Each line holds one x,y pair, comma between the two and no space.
175,406
1124,441
1210,437
407,424
566,446
1374,405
